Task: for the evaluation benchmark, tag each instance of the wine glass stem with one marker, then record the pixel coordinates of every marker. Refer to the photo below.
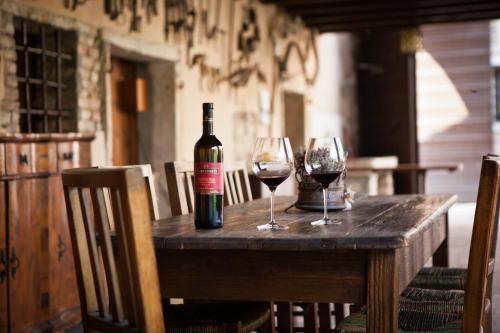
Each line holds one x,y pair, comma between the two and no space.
272,208
325,206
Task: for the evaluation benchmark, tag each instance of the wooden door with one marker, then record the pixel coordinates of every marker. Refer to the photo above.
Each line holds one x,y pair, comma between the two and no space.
294,119
4,318
64,301
29,300
124,113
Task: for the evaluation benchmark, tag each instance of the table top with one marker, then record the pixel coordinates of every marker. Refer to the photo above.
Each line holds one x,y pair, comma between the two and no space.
375,222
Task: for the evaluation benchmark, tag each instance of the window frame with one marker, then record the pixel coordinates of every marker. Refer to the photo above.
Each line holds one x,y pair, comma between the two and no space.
65,118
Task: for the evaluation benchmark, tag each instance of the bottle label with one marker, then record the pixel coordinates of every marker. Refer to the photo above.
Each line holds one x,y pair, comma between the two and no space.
208,178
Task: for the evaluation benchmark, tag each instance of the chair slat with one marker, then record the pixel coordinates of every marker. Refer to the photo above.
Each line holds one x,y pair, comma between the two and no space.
102,225
232,185
80,251
123,261
239,186
93,254
228,197
190,190
180,174
246,180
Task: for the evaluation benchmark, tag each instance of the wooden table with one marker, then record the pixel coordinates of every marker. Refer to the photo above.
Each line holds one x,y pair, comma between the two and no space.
369,259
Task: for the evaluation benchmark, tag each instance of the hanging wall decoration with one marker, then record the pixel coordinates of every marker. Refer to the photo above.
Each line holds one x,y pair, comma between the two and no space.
303,55
248,37
286,38
211,31
72,4
114,8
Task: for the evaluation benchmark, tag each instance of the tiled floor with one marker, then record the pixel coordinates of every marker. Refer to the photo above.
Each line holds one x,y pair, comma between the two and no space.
461,219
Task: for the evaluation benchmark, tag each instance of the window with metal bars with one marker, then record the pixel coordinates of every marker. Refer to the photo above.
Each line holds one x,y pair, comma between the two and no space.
46,75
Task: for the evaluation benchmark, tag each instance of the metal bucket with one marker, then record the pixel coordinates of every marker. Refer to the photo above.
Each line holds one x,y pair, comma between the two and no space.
310,196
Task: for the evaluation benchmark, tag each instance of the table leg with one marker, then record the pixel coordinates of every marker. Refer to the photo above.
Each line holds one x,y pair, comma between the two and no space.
285,317
311,318
441,256
383,291
339,312
421,175
325,317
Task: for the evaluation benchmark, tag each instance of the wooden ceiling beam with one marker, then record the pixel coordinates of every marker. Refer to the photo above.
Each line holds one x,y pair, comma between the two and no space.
400,23
371,7
399,14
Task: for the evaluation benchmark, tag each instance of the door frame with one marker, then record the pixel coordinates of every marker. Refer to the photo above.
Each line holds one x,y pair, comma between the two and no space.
151,54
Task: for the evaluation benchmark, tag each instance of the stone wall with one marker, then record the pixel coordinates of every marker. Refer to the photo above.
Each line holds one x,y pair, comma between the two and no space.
330,103
89,85
9,96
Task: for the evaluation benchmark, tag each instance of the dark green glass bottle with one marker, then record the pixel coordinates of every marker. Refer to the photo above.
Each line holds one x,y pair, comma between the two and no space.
208,176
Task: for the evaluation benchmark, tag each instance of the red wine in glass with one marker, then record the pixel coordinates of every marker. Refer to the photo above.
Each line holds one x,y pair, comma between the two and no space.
325,161
272,164
325,178
272,182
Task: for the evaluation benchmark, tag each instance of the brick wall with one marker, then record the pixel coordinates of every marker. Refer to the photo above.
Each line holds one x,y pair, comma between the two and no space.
9,118
89,85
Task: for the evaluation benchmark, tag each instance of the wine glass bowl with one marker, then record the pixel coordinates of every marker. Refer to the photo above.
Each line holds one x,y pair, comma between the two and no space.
272,164
325,161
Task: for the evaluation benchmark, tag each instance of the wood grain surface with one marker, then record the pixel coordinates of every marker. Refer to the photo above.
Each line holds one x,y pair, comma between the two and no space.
378,222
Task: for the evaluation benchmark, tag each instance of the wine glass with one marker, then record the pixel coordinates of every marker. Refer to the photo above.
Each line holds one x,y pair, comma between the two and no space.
325,161
272,164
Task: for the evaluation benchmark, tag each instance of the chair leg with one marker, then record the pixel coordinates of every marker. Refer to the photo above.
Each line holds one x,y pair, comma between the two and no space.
269,325
285,317
311,318
339,312
325,317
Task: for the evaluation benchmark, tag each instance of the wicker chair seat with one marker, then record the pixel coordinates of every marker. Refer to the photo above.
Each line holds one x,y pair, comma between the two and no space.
441,278
430,300
409,321
214,317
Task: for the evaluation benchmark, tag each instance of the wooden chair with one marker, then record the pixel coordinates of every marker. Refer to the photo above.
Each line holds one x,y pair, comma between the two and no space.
456,311
118,280
180,180
450,278
237,190
147,173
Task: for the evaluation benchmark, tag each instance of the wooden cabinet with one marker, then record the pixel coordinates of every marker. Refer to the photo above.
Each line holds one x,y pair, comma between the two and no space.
27,226
38,291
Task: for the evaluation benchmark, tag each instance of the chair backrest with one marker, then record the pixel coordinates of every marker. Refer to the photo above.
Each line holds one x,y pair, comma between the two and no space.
117,280
180,179
481,256
147,173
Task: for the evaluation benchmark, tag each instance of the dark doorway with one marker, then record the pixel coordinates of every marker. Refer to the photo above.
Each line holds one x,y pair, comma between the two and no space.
386,100
124,112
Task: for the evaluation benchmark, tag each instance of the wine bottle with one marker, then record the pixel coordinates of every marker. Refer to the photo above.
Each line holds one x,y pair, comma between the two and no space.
208,176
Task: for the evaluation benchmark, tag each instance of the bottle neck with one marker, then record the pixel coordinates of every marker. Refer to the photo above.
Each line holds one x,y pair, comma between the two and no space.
208,127
208,121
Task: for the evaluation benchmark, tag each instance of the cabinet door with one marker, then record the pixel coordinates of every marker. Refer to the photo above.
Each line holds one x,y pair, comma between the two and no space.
65,308
28,217
3,260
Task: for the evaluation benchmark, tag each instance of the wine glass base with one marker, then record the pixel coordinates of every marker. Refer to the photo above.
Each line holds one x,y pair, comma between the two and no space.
325,222
272,226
